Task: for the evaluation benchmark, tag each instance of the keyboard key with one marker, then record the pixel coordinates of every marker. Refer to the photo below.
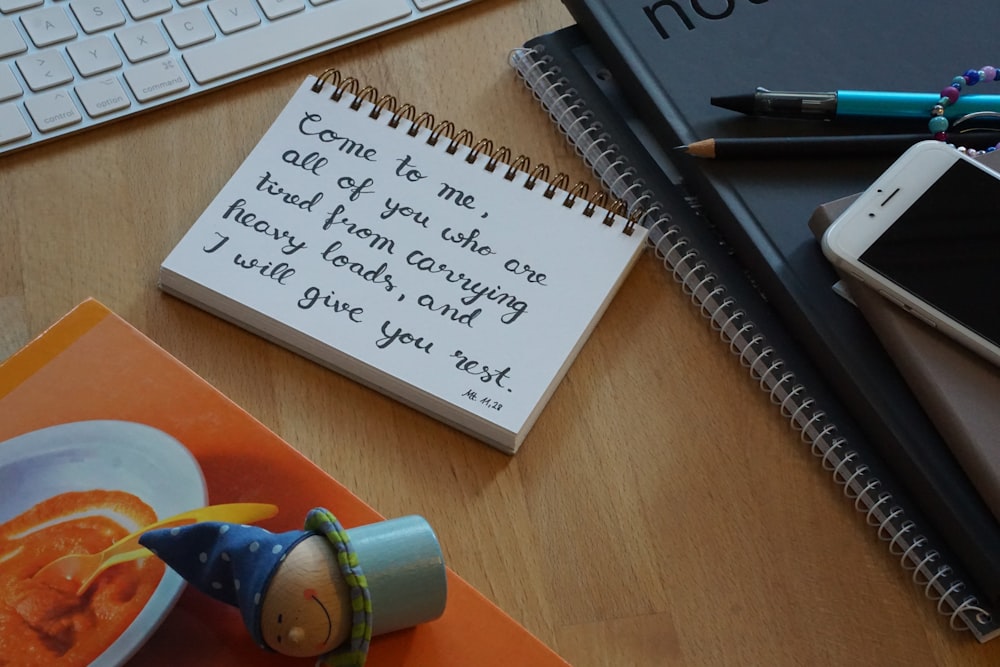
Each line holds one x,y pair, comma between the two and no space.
48,26
9,87
275,9
11,42
189,27
44,69
142,9
291,35
102,96
142,41
11,6
93,56
97,15
156,79
233,15
54,110
12,125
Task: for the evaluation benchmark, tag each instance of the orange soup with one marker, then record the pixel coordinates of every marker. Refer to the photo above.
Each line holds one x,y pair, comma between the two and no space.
46,623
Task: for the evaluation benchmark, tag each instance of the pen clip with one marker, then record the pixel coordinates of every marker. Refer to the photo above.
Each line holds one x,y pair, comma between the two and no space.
975,116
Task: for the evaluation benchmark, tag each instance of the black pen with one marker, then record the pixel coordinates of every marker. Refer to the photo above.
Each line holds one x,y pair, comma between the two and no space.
825,146
868,103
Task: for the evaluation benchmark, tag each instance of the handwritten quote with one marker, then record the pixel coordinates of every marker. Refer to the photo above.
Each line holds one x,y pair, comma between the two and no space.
373,233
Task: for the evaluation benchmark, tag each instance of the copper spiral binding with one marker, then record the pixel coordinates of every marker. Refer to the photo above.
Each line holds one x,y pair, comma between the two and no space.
540,172
367,94
445,127
500,155
406,112
464,137
520,163
385,103
578,190
571,116
456,138
425,120
484,145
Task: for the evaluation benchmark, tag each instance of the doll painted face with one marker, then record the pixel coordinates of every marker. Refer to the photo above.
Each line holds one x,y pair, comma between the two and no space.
306,608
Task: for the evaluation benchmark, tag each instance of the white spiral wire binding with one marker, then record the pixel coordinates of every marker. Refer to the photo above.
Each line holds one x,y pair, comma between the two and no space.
750,346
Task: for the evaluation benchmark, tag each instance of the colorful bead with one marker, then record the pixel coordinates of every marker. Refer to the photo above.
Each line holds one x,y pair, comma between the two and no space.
951,93
938,124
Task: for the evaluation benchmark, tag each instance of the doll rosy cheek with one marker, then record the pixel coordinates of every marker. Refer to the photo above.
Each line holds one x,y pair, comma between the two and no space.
309,593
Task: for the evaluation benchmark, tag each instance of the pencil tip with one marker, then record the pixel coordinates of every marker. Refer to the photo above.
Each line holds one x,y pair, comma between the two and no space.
681,148
700,148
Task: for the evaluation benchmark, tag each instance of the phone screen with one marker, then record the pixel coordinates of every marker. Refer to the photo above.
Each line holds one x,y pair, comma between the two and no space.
945,248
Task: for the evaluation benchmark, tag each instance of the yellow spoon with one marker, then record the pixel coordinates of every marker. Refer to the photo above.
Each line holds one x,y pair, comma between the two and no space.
85,567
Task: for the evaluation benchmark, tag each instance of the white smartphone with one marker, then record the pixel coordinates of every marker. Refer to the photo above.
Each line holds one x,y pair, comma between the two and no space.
926,235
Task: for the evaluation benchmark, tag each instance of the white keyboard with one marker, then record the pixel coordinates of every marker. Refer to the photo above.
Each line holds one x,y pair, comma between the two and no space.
70,65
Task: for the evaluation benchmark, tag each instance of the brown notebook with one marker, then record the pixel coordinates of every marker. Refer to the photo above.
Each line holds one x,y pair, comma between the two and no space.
959,390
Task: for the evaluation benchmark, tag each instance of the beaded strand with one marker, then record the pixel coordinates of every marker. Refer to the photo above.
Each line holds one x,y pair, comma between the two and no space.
938,124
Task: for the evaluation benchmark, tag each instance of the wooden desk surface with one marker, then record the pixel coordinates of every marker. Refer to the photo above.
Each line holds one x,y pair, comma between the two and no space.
661,512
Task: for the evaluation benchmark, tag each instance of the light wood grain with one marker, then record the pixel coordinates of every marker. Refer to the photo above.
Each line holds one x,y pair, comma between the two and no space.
660,513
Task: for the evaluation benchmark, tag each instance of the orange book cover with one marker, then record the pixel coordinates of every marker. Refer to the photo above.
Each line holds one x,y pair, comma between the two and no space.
91,403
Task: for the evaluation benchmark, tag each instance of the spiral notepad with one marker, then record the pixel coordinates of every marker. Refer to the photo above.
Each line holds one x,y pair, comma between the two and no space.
406,254
714,300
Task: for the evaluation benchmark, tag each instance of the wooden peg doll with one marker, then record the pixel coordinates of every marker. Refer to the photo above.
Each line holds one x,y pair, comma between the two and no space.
323,591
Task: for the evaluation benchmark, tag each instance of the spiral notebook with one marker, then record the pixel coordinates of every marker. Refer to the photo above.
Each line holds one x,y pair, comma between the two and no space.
409,256
761,207
585,104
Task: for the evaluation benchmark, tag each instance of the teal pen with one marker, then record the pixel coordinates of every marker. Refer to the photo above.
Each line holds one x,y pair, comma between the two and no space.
843,103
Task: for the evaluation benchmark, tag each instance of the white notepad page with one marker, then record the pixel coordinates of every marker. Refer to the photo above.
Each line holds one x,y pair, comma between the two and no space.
403,265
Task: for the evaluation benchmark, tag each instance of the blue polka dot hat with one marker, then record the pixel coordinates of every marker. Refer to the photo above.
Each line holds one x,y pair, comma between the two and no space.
232,563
